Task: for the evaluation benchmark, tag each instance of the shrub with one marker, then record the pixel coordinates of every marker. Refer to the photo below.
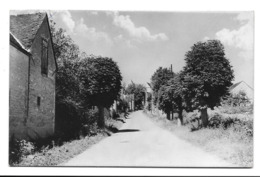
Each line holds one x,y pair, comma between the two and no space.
89,123
122,105
114,114
90,116
238,123
19,149
192,119
218,121
68,119
237,99
228,109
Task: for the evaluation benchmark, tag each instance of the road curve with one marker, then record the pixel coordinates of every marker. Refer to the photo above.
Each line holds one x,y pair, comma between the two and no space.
141,143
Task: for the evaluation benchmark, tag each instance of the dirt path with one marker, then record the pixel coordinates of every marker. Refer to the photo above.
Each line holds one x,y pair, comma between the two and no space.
142,143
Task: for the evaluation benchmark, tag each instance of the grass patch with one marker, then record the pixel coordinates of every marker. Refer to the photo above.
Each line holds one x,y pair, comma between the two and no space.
55,154
231,144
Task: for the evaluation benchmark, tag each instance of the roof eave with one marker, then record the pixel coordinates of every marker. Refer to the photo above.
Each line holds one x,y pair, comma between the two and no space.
19,46
52,42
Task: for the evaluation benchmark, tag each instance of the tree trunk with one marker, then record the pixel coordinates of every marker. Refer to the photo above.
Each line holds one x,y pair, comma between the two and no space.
101,119
180,116
168,115
204,117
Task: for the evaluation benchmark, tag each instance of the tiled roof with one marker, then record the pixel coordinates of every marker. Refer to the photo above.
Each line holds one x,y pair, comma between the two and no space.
14,41
235,85
24,27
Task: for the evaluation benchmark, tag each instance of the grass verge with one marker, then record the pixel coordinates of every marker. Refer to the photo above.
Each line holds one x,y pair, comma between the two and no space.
53,156
231,145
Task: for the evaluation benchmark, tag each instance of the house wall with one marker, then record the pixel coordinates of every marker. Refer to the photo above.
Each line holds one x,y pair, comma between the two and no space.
243,87
41,119
18,96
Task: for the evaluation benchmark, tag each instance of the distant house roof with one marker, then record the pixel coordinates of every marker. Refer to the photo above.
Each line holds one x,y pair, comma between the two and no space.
148,87
25,26
236,84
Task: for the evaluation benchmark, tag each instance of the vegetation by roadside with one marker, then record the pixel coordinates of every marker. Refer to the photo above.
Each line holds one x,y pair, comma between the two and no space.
86,88
232,143
55,152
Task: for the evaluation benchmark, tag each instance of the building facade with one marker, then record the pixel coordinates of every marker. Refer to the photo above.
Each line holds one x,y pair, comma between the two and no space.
32,77
244,87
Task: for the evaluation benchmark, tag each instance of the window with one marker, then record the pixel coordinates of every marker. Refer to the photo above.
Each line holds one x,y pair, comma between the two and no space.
38,101
44,58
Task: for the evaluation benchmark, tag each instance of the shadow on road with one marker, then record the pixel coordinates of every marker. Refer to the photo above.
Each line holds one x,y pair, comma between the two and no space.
127,130
120,120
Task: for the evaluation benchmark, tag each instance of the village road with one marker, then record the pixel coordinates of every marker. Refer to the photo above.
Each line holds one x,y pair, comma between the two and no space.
140,142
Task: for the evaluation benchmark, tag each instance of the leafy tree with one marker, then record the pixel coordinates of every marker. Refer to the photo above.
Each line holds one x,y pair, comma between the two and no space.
68,103
165,100
207,76
66,53
176,89
160,78
171,97
100,83
149,101
122,105
139,94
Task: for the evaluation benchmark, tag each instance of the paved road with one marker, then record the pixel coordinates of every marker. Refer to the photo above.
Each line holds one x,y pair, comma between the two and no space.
140,142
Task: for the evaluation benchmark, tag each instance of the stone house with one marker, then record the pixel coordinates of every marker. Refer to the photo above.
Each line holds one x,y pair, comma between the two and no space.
32,77
243,86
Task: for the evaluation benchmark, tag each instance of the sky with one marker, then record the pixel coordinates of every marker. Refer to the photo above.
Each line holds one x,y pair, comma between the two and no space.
140,42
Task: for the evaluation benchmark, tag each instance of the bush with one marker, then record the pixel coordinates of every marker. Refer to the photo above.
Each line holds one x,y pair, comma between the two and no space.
218,121
122,105
239,123
237,99
89,123
90,116
228,109
114,115
19,149
68,119
73,121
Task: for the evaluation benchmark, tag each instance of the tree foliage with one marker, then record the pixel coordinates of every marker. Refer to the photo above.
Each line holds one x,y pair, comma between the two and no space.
100,80
66,53
165,99
207,75
171,96
177,91
160,78
81,81
139,94
122,105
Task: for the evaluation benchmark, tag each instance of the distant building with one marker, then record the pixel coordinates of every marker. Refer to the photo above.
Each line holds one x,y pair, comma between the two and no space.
148,93
32,77
243,86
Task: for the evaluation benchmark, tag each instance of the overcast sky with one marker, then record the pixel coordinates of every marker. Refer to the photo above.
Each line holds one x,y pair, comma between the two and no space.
140,42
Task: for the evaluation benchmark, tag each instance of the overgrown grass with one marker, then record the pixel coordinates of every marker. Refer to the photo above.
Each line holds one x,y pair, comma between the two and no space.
232,144
55,153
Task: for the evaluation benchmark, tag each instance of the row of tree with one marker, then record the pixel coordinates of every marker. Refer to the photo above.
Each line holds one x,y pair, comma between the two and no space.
201,84
138,92
82,81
